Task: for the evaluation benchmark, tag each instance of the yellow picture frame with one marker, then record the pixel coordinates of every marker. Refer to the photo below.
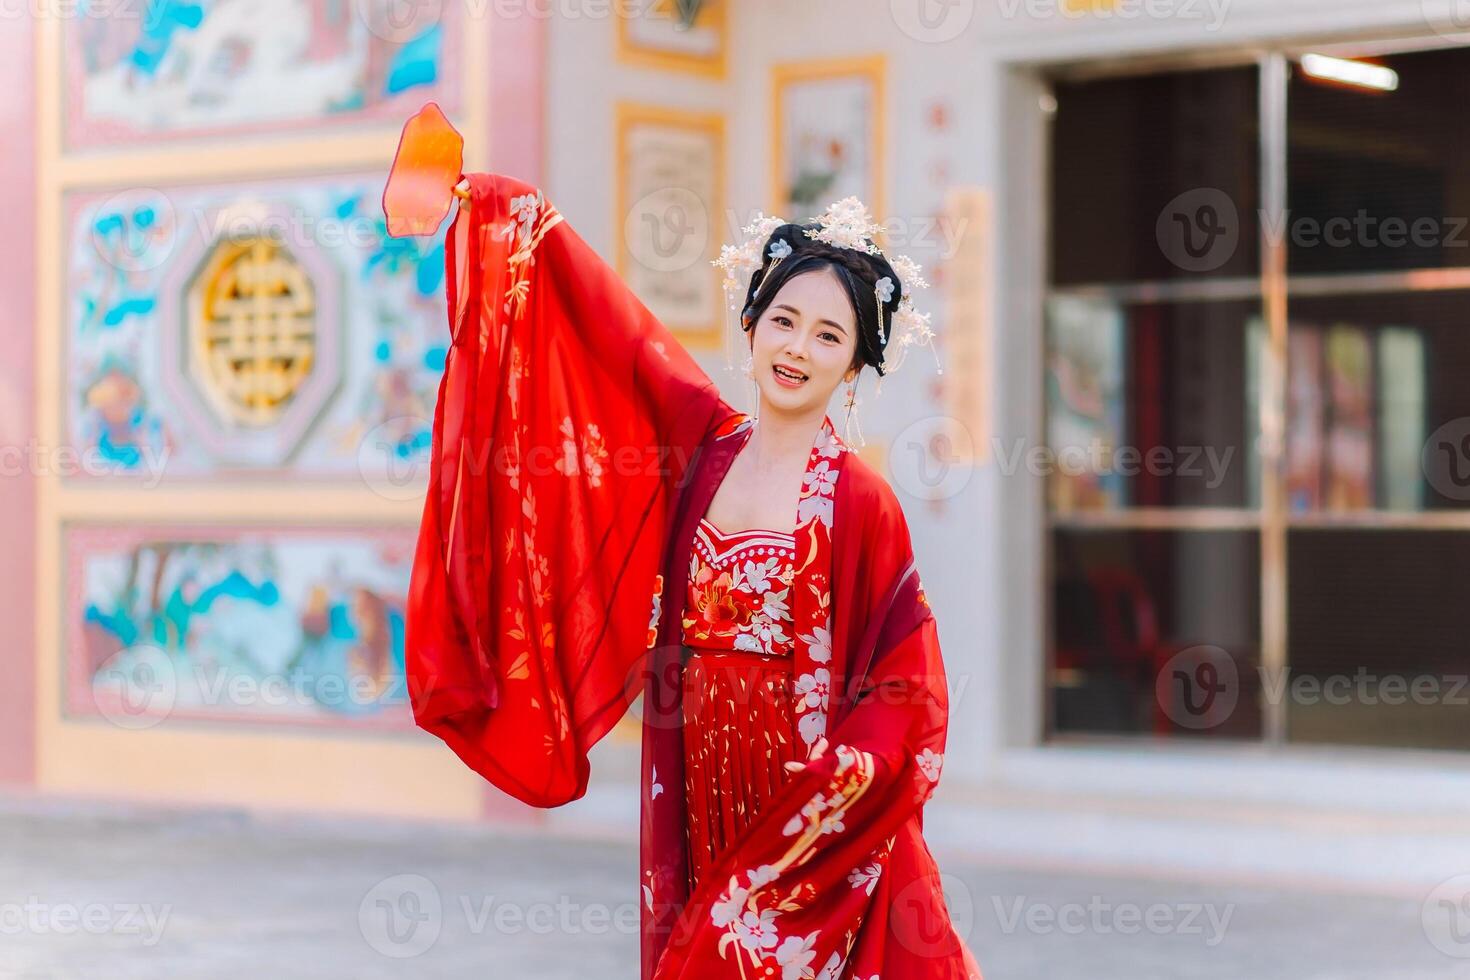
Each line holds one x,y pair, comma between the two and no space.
870,71
639,52
659,276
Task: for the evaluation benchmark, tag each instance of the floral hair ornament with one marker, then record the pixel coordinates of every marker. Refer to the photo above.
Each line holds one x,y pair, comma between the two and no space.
845,224
740,263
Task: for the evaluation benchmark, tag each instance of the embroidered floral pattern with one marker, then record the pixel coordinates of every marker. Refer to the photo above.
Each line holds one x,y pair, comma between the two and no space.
658,609
866,878
751,913
930,763
739,591
814,532
589,459
532,216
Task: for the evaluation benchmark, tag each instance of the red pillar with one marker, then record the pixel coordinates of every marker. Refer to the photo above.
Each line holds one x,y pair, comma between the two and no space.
17,403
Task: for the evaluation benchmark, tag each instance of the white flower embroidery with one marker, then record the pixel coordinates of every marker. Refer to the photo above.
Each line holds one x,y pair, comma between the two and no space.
829,446
588,459
814,687
767,635
822,479
762,876
866,878
757,930
656,787
774,606
930,763
747,643
524,207
757,575
727,909
795,957
813,726
831,824
832,970
819,643
818,505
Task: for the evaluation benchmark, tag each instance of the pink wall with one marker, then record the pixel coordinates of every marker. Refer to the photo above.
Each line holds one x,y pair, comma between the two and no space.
516,52
17,397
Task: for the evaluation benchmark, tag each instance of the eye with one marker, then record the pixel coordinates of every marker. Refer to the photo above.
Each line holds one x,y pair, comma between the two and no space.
831,337
785,321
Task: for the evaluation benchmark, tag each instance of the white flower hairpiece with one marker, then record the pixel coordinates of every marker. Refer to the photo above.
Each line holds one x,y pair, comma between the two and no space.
845,224
741,261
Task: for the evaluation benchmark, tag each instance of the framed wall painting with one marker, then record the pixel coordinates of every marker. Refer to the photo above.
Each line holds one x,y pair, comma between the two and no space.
669,206
189,69
283,625
651,34
261,328
828,135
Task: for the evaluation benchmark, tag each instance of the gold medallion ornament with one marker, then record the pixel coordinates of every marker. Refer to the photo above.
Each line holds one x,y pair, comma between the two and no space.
252,328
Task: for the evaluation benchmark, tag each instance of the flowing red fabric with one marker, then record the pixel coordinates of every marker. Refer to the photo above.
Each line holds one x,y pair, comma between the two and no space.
576,446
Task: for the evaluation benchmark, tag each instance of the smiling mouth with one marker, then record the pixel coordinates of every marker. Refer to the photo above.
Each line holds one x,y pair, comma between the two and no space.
787,375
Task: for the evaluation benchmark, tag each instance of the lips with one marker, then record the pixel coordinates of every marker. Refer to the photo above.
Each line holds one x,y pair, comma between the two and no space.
788,376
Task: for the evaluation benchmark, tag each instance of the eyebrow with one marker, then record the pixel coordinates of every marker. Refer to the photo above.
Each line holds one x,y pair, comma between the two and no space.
832,323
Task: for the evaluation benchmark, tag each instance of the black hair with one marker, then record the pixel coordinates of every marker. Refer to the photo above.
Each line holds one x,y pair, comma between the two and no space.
857,271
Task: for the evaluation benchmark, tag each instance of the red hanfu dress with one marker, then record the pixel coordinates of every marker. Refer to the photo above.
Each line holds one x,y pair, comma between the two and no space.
739,727
576,450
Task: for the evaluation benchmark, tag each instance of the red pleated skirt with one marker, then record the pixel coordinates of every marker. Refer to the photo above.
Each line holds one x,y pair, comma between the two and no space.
739,732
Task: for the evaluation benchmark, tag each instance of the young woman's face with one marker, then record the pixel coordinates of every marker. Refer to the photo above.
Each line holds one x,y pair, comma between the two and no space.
804,344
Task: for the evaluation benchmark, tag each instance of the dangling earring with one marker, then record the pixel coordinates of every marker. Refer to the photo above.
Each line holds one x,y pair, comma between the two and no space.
755,390
851,405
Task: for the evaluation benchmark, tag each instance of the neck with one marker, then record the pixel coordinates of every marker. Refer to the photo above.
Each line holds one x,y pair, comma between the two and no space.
778,435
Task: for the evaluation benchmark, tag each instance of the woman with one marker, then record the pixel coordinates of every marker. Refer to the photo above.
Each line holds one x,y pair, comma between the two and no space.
794,701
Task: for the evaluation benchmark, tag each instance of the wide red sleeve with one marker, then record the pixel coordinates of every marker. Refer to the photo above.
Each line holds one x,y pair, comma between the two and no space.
567,420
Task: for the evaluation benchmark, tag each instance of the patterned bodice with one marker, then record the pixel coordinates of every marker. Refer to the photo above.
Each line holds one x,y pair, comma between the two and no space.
740,591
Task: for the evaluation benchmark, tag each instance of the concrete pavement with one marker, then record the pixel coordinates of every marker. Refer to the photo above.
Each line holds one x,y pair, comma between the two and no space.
114,892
